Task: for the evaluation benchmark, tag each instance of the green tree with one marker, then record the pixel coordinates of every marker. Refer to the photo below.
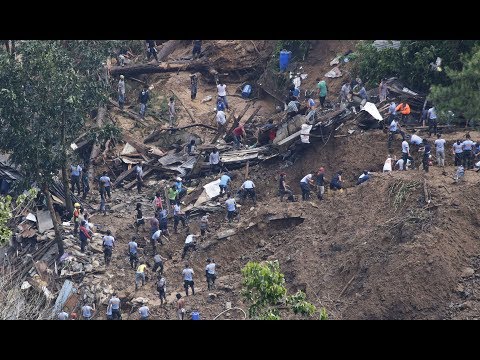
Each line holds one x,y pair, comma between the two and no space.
461,95
411,62
264,288
46,96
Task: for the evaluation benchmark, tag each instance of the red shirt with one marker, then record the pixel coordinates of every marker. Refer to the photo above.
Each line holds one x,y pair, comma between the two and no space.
238,130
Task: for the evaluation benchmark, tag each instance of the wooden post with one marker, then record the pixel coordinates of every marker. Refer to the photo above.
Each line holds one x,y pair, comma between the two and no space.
188,110
246,169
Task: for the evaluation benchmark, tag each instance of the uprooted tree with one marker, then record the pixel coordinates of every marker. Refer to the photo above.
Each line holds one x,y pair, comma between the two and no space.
46,97
264,288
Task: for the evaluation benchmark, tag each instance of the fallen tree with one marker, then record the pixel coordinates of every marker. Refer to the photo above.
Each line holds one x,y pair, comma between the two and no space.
138,69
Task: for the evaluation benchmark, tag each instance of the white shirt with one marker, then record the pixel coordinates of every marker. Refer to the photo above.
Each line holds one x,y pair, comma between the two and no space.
210,268
248,184
440,144
405,146
415,139
399,163
306,178
222,90
388,165
188,274
189,239
393,126
221,119
156,235
144,311
214,158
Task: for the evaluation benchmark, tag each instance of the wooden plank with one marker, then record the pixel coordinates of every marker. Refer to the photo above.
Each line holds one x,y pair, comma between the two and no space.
249,120
124,175
132,183
190,114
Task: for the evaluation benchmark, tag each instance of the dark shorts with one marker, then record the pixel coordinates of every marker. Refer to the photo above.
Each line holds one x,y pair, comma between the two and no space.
187,283
140,222
231,214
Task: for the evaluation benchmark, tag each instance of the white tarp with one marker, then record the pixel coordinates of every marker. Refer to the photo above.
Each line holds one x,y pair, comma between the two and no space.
372,110
210,191
334,73
305,133
128,149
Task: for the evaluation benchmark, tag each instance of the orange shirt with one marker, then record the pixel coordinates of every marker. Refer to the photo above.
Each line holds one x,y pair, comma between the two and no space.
405,110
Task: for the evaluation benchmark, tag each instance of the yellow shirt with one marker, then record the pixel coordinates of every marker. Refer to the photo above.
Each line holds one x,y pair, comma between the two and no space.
141,268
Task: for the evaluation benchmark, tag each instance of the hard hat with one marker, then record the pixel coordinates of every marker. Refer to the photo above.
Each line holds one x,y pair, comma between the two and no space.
122,77
179,179
77,205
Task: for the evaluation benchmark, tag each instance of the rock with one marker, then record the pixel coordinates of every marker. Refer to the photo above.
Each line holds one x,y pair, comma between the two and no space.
455,203
76,266
95,263
460,288
212,296
467,271
88,268
140,300
467,305
252,208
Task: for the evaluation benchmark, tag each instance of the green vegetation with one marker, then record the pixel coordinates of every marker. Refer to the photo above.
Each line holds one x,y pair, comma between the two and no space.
264,288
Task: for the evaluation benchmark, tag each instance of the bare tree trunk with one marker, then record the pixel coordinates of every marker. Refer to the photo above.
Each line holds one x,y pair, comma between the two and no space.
68,198
56,227
167,48
96,146
13,47
7,45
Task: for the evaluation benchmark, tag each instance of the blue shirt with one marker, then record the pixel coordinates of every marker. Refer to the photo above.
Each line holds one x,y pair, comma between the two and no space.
393,126
132,247
179,185
105,180
224,180
230,204
76,170
391,109
467,145
363,93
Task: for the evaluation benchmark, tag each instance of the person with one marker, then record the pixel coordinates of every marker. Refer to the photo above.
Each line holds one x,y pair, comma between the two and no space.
345,93
293,108
394,128
140,274
467,147
388,166
197,47
458,152
163,215
221,120
220,104
154,227
440,150
108,244
103,207
171,111
383,90
460,174
231,205
84,236
305,183
178,216
139,220
73,316
362,93
109,312
225,181
85,184
106,184
364,177
248,188
336,183
310,104
222,93
151,50
139,175
392,113
114,302
158,263
121,92
404,109
133,253
143,98
162,289
190,243
62,315
156,237
192,148
88,311
182,190
426,155
204,225
180,307
173,195
144,312
320,183
401,164
405,152
188,279
210,273
432,121
76,172
214,160
416,140
322,91
157,202
193,86
76,218
238,135
283,188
